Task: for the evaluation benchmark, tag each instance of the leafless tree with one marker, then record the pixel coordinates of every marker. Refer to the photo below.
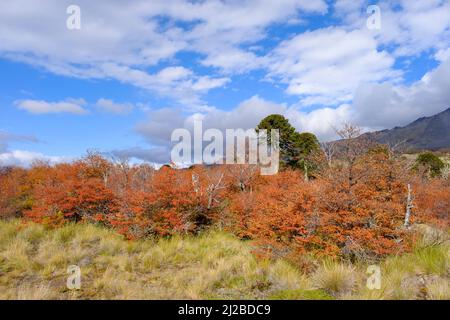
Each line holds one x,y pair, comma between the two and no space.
142,176
214,182
409,206
196,183
212,189
396,147
96,161
122,169
243,175
329,150
351,146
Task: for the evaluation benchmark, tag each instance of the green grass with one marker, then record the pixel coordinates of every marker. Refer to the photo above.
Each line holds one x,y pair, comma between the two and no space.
213,265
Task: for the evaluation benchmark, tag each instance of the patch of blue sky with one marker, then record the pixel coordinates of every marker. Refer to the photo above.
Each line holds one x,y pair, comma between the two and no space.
68,133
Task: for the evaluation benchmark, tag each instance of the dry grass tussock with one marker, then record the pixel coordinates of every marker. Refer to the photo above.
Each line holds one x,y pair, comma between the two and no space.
214,265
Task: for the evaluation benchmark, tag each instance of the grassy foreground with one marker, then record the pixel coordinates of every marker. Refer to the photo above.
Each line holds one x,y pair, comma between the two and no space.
215,265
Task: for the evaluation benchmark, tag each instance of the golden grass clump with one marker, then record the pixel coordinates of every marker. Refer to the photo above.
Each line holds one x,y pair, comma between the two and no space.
212,265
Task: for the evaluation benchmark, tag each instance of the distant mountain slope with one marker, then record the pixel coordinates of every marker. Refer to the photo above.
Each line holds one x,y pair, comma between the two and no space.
427,133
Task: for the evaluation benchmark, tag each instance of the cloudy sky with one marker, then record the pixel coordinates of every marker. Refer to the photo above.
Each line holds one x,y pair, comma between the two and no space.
138,69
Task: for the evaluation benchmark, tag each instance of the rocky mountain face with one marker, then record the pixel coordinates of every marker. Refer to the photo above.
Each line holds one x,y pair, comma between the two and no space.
427,133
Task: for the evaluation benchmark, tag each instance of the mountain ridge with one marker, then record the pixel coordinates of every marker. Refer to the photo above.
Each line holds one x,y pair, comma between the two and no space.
425,133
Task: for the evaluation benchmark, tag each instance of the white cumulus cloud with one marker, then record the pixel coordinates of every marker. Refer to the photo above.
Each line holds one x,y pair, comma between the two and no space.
26,158
43,107
110,106
327,65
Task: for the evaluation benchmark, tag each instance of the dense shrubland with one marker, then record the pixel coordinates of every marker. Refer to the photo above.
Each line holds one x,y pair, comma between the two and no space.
345,200
352,209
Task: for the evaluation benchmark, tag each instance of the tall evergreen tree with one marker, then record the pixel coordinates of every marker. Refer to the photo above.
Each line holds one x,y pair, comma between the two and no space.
295,148
308,145
288,137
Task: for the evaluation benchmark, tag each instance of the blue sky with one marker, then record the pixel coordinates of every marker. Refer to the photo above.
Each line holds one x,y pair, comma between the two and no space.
132,73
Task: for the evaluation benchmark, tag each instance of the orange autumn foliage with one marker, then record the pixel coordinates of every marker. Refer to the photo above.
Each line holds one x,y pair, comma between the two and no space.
432,202
364,219
177,201
288,216
13,190
66,194
279,214
351,210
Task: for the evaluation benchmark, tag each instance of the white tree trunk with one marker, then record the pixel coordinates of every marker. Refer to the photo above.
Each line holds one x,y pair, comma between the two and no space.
409,206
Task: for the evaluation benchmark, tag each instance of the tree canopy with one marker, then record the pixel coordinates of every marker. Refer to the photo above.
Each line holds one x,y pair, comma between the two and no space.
295,148
430,164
